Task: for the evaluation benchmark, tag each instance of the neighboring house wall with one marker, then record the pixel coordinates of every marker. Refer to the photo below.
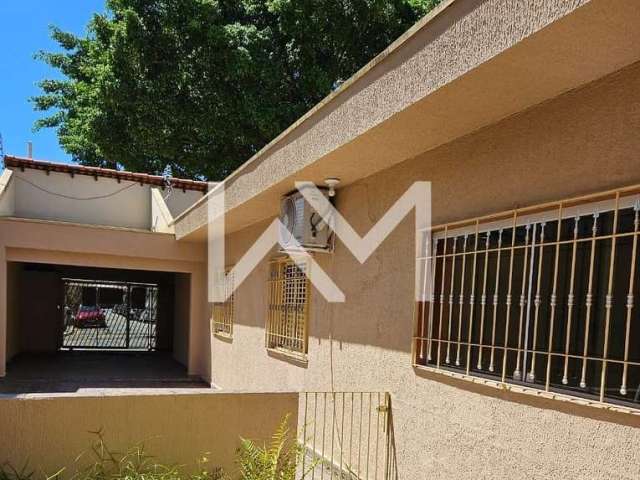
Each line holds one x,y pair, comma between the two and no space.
161,218
83,199
178,201
7,194
584,141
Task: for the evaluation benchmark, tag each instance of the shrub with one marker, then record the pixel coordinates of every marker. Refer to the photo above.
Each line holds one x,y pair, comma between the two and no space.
279,460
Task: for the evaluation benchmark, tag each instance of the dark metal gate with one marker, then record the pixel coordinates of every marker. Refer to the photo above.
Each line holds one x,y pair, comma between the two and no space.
108,315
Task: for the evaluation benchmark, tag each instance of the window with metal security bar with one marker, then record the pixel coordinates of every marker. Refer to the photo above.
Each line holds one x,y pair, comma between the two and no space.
288,309
223,312
542,297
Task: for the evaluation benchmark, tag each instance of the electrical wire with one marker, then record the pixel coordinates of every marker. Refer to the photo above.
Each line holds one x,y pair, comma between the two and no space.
69,197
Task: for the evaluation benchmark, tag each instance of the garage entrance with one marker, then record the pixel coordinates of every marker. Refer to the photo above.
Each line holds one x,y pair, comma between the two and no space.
73,327
107,315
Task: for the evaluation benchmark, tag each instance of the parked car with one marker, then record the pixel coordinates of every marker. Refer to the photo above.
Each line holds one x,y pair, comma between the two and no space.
90,316
120,309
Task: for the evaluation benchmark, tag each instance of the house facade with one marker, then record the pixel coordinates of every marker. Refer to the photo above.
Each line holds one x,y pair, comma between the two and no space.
521,358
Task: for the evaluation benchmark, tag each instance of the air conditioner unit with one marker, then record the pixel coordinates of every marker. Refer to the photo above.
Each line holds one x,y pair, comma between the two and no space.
302,223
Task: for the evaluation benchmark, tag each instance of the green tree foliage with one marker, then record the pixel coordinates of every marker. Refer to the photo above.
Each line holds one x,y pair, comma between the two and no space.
201,85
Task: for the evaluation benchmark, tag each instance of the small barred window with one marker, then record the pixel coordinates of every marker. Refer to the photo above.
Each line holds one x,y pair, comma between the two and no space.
288,309
223,312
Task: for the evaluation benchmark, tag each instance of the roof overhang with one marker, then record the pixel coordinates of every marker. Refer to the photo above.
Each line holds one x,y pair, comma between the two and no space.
22,163
467,65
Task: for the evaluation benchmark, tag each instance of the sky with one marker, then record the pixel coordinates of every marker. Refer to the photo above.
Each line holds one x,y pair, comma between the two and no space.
24,30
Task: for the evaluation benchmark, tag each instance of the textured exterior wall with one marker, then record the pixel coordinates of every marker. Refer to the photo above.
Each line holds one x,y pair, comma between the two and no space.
584,141
49,433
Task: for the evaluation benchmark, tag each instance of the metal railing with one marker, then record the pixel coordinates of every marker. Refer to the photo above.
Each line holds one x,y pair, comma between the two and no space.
346,435
543,296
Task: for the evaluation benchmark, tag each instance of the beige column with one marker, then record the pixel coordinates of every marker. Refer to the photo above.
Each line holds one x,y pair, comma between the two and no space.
3,309
199,325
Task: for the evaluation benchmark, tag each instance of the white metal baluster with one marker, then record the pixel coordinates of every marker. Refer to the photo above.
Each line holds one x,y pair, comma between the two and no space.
509,298
444,272
453,279
432,296
552,314
461,299
536,302
609,300
495,303
483,300
472,297
517,374
570,301
630,300
589,301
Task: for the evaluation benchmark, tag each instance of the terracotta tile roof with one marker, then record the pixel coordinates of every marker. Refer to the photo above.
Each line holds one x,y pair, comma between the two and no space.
143,178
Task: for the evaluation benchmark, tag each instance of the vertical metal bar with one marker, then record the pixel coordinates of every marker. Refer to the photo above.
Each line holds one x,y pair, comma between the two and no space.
630,299
461,299
496,293
341,443
528,299
472,296
432,296
570,300
324,424
444,272
609,300
552,313
351,434
333,430
360,430
589,301
483,300
375,471
368,437
517,374
453,278
509,297
387,433
426,272
304,433
315,427
536,302
99,309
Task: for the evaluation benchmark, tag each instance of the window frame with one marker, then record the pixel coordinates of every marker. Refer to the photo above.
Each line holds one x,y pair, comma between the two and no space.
223,314
609,201
277,307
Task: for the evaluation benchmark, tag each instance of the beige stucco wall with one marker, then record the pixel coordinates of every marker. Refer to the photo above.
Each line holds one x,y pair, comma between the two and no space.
7,194
67,244
581,142
59,196
181,319
49,433
13,312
